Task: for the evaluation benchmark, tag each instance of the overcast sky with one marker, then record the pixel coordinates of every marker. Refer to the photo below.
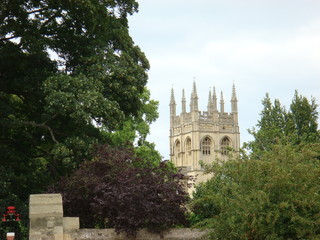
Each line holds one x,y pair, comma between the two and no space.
261,45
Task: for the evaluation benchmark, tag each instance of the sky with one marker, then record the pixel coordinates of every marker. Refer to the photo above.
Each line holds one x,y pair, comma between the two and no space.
262,46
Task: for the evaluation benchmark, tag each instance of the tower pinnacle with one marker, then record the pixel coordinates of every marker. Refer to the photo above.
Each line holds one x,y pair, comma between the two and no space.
194,99
183,102
214,100
172,104
210,103
234,100
221,103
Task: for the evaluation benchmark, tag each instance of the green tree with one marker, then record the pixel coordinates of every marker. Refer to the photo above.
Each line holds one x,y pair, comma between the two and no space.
271,126
71,76
277,125
302,119
274,197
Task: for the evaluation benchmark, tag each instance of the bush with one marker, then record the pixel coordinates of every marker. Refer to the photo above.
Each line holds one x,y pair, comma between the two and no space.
117,189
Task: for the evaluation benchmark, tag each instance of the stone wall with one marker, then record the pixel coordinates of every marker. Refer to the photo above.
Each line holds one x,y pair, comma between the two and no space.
110,234
46,217
47,223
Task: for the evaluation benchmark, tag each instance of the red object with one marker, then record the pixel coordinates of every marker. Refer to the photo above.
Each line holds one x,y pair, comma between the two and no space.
11,209
18,217
11,215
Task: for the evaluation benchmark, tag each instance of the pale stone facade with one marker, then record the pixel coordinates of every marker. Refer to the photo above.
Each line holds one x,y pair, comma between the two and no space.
202,136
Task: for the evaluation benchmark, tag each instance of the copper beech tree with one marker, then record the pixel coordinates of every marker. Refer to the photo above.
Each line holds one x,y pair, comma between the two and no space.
117,189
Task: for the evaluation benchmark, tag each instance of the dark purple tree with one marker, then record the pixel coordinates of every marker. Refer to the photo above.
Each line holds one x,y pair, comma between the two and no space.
117,189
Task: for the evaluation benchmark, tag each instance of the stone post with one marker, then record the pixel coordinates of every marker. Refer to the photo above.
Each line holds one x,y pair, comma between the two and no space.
46,217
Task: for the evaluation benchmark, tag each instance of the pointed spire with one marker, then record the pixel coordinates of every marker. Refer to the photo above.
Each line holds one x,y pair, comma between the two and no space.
234,100
209,99
172,100
221,103
214,99
172,104
183,102
194,98
210,103
234,95
194,89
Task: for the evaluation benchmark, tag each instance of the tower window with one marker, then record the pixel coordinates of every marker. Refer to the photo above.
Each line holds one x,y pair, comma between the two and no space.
188,146
206,146
225,144
177,149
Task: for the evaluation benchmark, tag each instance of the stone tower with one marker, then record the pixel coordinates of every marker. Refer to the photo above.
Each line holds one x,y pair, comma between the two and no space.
202,136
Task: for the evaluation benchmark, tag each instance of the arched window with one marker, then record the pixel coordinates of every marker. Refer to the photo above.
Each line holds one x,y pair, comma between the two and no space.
225,144
188,146
177,148
206,146
177,151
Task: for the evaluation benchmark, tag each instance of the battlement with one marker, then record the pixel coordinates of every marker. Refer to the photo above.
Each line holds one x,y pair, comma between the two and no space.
203,117
212,113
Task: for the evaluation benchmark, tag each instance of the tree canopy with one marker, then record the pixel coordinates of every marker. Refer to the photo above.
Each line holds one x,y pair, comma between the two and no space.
278,125
71,76
118,189
273,197
271,191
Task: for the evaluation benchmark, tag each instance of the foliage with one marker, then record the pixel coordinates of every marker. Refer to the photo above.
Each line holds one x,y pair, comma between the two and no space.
137,129
148,154
302,119
277,125
71,76
113,190
275,197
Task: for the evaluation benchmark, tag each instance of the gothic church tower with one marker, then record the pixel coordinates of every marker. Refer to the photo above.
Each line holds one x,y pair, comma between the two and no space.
202,136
